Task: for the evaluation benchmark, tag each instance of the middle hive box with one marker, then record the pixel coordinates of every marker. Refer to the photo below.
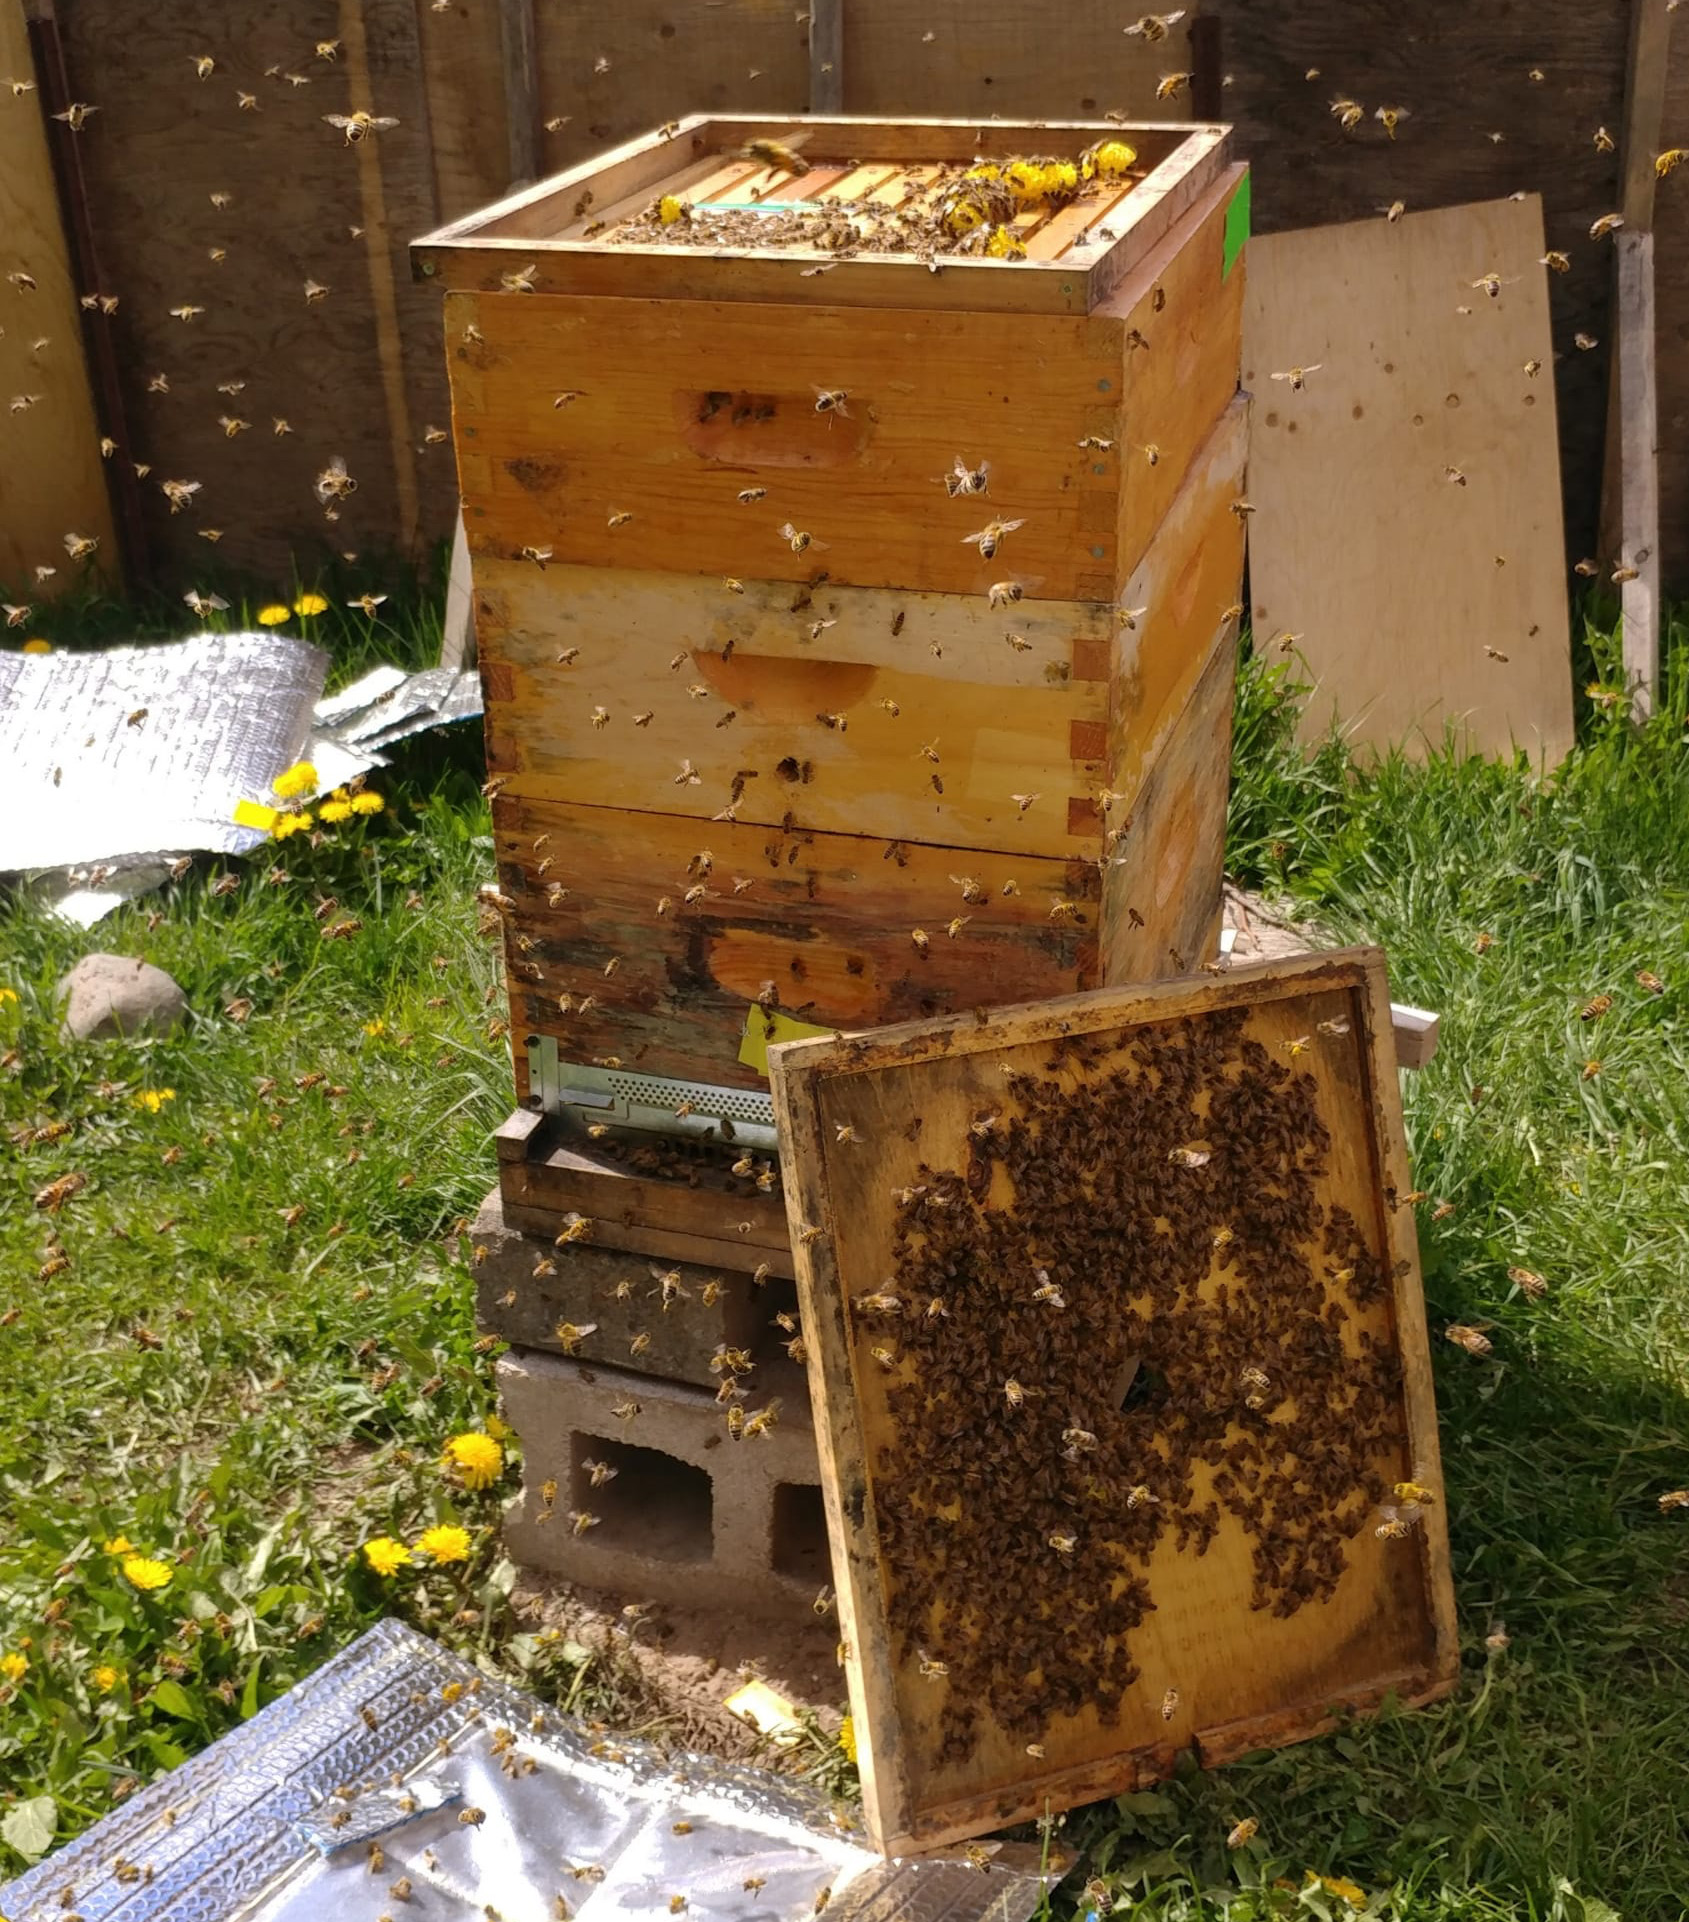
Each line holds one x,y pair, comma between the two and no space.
773,732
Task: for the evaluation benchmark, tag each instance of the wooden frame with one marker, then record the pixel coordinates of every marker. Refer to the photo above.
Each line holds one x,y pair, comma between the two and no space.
539,233
1397,1615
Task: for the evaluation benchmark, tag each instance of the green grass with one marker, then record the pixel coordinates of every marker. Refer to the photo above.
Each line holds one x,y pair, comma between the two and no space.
305,1376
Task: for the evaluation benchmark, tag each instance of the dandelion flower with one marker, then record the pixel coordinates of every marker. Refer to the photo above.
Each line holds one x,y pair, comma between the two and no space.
275,614
847,1737
7,994
367,803
14,1666
105,1678
142,1572
301,778
37,646
444,1544
375,1027
1351,1892
335,811
477,1458
120,1545
152,1099
309,604
1114,157
385,1555
291,824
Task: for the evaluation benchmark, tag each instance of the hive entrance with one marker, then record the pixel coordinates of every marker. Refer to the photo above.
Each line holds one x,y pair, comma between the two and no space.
655,1504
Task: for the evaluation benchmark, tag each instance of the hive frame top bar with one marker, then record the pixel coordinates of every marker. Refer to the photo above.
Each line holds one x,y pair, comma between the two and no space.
533,240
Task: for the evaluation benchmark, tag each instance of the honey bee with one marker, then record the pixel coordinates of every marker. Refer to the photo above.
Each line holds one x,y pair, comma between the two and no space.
1013,1393
1585,343
1244,1833
1299,1046
580,1521
963,479
1674,1499
931,1669
1556,262
1004,593
1336,1026
1394,211
1187,1157
1140,1496
1347,113
1169,1704
316,291
1473,1340
570,1336
990,537
1024,801
772,153
1077,1442
796,538
831,400
335,484
752,1883
1596,1006
1669,161
1170,84
762,1422
52,1198
359,124
75,116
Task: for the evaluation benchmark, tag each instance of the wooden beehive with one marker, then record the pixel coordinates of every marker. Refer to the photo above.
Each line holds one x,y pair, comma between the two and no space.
760,712
1118,1355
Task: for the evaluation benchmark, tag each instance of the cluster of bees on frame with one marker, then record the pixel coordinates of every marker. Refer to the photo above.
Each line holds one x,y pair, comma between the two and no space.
245,101
1067,1387
984,208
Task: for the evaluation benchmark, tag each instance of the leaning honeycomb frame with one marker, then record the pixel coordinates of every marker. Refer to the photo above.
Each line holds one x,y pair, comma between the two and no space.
1118,1354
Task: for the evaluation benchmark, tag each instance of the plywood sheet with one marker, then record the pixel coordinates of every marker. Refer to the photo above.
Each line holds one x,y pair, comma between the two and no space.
356,373
1406,542
52,482
1117,1352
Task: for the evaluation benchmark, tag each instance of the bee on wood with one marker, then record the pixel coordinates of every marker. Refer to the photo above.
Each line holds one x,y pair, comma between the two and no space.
832,400
1169,1704
963,480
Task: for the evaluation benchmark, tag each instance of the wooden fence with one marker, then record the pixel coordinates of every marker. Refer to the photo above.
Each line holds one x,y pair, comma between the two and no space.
266,322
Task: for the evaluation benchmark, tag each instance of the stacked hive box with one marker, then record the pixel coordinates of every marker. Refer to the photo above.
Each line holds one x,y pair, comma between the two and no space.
771,732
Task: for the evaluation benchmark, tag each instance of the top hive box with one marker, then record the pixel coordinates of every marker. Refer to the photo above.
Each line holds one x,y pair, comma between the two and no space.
609,380
582,232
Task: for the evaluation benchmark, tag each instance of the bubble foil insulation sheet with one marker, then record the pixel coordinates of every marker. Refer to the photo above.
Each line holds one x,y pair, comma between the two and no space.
399,1783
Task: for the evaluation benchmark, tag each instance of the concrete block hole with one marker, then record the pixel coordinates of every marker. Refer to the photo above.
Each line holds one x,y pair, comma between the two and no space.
800,1533
656,1505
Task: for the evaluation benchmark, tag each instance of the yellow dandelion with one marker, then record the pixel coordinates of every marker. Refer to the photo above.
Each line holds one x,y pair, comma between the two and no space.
334,812
275,614
443,1543
672,208
308,604
367,803
105,1678
37,646
120,1545
143,1572
291,824
152,1099
375,1027
14,1666
301,778
385,1555
7,994
1351,1892
1005,245
478,1459
847,1737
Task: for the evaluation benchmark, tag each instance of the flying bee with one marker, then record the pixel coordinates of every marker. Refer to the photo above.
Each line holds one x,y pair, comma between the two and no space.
1669,161
963,479
521,281
1473,1340
1170,84
359,124
1337,1025
335,484
1347,113
762,1422
1244,1833
831,400
75,116
773,153
1004,593
1300,1045
1297,375
1606,224
990,537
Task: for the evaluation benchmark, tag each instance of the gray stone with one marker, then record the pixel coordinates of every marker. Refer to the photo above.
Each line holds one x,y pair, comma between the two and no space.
106,995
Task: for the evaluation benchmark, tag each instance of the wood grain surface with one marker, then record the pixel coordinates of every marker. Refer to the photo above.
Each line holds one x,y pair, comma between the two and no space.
862,1119
1406,545
52,480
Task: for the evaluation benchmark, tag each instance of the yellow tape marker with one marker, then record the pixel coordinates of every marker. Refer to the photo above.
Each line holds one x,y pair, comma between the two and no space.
762,1026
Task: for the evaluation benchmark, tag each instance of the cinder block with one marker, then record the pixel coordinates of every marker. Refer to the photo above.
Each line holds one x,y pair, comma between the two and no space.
692,1516
526,1287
